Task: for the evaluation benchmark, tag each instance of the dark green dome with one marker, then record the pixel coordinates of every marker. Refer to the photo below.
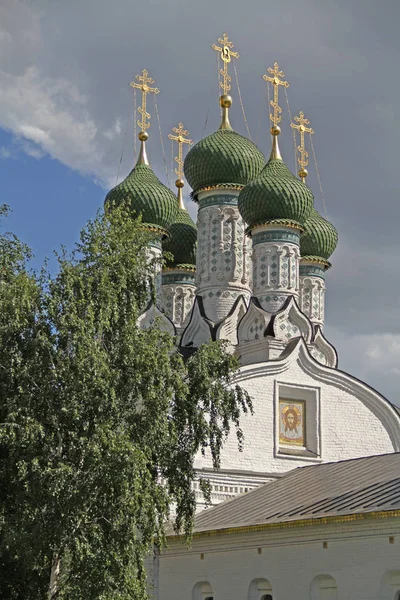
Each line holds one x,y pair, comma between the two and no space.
319,239
275,195
182,243
221,158
146,196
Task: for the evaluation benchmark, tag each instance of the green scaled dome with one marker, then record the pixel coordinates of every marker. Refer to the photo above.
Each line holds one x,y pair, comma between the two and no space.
276,195
221,158
182,243
319,239
146,196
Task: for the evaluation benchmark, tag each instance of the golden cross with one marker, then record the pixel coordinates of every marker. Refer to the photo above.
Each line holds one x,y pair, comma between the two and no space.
302,128
145,88
276,82
226,56
180,138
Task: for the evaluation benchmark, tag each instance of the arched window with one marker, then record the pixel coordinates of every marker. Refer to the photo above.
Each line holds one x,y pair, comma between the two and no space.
390,586
323,587
202,591
260,589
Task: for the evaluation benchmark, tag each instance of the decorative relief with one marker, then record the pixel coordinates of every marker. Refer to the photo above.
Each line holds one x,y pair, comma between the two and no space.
290,322
177,302
222,265
312,298
253,325
275,269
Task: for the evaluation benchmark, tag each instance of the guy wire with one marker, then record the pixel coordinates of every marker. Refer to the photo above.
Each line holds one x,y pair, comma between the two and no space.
293,131
124,142
269,115
161,140
219,80
319,178
260,119
134,125
241,102
172,160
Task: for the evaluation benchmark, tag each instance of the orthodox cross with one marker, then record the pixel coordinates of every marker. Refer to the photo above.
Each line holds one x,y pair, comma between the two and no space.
180,138
144,86
276,82
226,56
302,128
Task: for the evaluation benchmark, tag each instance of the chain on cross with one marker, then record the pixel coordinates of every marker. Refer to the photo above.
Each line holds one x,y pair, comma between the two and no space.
302,129
144,86
226,55
180,132
276,82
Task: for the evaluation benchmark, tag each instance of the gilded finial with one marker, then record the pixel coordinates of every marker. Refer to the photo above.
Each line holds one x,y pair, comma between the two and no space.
302,129
143,83
275,116
180,132
226,55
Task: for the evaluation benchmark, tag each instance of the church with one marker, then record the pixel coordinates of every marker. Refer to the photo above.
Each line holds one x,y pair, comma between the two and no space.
311,504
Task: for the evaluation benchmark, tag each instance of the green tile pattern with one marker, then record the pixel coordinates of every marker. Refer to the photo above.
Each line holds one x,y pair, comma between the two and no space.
320,238
147,196
182,242
277,196
223,157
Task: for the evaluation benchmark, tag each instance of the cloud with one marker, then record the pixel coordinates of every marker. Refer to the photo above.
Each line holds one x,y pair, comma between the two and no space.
65,69
374,359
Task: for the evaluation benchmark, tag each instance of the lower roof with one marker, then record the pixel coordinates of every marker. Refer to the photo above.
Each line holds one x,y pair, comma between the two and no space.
351,487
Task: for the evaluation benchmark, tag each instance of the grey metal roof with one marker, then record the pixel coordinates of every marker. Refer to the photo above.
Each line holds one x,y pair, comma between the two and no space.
332,489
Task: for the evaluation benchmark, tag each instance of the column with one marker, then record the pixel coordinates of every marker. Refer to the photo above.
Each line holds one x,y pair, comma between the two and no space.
276,257
223,266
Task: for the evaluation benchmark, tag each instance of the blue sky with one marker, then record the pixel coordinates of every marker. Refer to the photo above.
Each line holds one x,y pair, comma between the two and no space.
66,116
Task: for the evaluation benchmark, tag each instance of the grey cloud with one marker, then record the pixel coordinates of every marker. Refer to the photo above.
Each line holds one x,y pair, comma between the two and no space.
341,59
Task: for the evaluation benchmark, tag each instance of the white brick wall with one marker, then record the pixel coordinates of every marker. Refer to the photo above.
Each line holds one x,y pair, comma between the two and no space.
359,557
352,421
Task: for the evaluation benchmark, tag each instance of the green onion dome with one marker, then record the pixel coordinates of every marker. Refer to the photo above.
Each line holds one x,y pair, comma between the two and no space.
319,239
182,243
276,196
224,157
146,196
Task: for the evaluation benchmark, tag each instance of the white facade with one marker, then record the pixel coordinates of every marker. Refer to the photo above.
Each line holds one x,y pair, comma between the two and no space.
344,418
345,560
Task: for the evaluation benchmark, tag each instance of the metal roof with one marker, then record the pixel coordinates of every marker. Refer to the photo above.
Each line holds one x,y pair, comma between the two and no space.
348,487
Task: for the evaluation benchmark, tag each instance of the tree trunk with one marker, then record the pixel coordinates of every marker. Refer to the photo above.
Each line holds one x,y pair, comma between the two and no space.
54,577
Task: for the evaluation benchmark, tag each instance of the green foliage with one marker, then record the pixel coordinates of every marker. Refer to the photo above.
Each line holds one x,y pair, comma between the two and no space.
100,422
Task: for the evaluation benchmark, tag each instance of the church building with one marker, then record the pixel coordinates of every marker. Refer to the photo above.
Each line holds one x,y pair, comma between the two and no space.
253,272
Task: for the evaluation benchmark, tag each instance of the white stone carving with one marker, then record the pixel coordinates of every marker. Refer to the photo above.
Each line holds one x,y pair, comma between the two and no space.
177,302
153,314
312,298
228,328
322,350
222,272
275,272
290,322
